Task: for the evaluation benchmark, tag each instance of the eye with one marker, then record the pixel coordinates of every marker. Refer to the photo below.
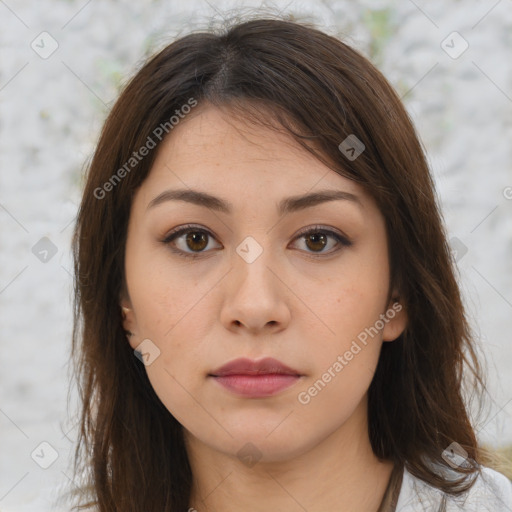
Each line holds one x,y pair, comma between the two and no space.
196,239
317,238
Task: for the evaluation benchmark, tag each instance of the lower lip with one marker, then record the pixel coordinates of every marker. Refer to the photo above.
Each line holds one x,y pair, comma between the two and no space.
257,386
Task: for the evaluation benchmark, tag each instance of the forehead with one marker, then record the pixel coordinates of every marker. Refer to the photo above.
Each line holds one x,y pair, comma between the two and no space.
216,152
250,167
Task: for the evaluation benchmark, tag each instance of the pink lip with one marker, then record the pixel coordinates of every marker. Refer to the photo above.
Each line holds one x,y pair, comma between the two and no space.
255,379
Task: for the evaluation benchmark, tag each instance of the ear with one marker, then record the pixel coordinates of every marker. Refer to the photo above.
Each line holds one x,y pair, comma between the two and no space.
129,322
395,319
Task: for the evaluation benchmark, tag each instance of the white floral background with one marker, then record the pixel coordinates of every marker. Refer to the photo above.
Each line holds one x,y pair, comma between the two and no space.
457,88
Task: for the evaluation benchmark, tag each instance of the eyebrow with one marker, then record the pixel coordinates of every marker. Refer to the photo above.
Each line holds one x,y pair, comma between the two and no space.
285,206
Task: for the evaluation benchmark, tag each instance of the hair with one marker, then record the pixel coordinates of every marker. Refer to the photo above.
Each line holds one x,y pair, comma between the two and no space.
293,77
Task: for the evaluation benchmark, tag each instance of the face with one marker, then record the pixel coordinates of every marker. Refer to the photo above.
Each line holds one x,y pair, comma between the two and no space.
253,274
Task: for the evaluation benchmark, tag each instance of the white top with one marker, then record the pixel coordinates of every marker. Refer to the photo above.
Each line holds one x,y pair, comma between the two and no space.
491,492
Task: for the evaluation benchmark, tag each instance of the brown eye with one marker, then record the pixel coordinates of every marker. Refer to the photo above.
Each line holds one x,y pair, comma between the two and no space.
316,241
196,240
188,241
192,242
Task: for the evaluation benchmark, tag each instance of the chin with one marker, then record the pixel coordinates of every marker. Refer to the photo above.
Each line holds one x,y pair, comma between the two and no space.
259,444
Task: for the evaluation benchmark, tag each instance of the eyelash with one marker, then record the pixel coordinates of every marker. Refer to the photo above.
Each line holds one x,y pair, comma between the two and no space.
342,240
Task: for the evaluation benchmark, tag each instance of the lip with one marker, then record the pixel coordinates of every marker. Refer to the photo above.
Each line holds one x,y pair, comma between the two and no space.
255,379
244,366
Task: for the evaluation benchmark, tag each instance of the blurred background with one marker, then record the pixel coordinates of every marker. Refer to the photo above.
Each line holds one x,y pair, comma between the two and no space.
62,63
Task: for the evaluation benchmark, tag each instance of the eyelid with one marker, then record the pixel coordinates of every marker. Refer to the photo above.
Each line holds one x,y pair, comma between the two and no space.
177,232
181,229
342,239
324,229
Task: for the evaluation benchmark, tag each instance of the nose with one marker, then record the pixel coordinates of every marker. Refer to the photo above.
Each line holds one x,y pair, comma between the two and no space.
256,297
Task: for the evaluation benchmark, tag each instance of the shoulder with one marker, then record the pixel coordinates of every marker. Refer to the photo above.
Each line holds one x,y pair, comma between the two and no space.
491,492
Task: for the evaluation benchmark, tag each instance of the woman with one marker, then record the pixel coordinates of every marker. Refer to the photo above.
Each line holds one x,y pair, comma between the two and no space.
266,314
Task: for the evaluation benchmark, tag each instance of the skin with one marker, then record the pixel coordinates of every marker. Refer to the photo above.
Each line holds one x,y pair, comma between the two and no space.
288,304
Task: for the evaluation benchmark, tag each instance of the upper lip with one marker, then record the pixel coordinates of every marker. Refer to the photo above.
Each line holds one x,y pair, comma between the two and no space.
244,366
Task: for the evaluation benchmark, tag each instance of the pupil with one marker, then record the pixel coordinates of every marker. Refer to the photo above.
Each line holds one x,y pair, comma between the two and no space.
196,237
319,237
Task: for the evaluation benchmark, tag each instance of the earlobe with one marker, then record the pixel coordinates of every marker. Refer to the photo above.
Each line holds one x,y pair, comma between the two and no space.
128,321
395,320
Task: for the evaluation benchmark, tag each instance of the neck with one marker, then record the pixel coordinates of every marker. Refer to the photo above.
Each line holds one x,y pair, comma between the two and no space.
339,473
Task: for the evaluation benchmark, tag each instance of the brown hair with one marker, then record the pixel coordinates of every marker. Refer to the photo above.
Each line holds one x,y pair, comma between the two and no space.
320,91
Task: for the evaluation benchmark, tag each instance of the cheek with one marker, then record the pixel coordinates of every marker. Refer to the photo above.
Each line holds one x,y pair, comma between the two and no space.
350,310
352,303
177,394
161,295
344,361
178,374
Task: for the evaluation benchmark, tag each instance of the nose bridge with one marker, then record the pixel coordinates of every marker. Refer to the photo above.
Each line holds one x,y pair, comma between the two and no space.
255,274
252,257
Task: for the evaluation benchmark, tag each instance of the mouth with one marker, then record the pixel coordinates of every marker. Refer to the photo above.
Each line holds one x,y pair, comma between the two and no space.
255,379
